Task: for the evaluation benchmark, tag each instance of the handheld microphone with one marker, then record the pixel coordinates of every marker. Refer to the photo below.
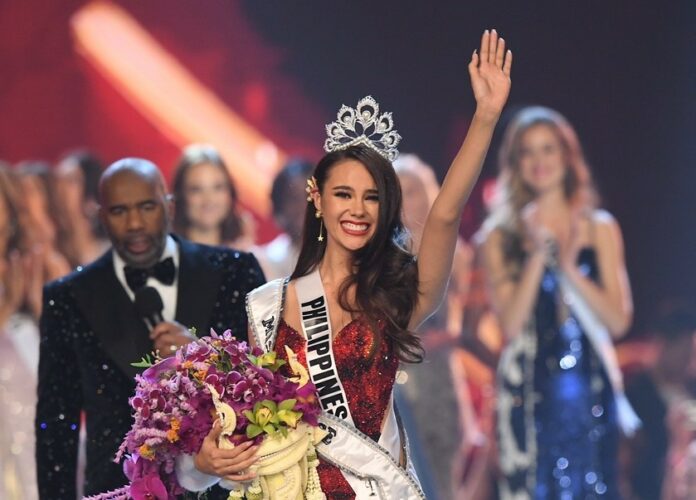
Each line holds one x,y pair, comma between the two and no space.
149,304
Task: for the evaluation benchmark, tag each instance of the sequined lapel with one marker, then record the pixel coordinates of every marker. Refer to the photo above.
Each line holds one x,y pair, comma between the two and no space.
112,315
198,287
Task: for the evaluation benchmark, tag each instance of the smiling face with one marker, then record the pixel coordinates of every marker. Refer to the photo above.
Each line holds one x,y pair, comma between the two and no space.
208,196
542,159
136,215
349,203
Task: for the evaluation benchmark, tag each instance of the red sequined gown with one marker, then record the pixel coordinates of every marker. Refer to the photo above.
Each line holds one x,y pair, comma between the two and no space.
368,385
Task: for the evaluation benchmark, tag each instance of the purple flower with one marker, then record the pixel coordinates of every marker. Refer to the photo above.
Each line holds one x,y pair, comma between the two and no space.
198,351
136,467
233,377
172,385
240,390
156,371
157,401
174,411
149,487
237,352
214,380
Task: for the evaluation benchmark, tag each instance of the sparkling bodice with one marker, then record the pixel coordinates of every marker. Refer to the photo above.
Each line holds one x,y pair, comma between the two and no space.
367,378
368,382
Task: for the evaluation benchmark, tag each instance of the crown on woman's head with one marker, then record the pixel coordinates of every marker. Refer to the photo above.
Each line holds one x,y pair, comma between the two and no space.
363,126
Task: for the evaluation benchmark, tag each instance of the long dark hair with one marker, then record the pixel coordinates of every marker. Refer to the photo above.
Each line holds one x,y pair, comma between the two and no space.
196,154
386,275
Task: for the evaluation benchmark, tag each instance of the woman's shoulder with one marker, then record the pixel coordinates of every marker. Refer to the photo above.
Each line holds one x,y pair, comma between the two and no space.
606,229
602,216
604,222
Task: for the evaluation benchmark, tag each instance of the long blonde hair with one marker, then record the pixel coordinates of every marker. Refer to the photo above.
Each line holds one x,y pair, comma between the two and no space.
513,194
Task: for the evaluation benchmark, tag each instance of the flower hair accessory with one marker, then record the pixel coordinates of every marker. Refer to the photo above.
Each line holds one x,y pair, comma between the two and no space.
311,188
363,126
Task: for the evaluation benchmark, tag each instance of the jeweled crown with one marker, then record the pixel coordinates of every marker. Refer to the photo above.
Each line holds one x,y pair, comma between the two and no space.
363,125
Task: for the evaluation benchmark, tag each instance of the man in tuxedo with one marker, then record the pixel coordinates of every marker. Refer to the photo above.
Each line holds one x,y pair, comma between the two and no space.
91,330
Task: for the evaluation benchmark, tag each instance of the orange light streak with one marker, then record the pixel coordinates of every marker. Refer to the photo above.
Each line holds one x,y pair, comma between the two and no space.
174,100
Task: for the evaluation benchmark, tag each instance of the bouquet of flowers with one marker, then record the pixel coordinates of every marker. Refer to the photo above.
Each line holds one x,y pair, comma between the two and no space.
177,399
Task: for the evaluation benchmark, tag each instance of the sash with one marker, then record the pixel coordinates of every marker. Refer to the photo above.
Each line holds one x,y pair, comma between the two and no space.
372,471
369,468
264,307
316,326
601,342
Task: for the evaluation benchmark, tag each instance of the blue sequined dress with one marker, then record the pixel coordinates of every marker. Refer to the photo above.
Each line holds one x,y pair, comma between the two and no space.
557,421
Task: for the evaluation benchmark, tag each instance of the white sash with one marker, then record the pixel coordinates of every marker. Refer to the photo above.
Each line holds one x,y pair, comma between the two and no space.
369,468
264,306
316,326
371,471
601,342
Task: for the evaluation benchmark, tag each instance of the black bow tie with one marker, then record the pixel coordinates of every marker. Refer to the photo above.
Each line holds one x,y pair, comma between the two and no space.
164,272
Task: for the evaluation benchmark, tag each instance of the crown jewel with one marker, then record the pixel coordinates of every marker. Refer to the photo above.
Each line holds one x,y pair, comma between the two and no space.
363,126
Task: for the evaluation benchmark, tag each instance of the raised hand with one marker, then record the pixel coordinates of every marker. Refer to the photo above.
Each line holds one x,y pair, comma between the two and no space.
490,75
539,237
570,248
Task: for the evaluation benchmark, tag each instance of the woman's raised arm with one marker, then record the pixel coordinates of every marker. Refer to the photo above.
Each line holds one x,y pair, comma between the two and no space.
489,70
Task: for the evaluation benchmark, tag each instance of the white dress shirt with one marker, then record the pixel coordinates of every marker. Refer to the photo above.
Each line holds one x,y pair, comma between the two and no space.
167,292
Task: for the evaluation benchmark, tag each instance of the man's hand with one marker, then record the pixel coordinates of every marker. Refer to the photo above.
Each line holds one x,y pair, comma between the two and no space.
168,336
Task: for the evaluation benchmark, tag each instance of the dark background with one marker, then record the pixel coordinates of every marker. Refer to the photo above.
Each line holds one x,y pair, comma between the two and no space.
623,72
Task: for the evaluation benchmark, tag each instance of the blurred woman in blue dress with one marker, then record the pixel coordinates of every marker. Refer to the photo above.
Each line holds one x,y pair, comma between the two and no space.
555,269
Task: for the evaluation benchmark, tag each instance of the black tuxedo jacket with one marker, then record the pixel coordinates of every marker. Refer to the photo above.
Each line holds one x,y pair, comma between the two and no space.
90,335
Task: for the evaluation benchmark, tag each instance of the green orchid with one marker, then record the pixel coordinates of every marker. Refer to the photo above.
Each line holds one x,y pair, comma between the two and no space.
268,360
269,417
287,415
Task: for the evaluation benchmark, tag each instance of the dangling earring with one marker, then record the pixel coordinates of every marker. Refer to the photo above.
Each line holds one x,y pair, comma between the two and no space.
317,214
311,189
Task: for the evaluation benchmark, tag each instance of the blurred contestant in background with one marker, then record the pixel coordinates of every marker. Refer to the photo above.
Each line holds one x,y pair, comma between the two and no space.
205,199
428,384
80,235
19,350
558,282
279,256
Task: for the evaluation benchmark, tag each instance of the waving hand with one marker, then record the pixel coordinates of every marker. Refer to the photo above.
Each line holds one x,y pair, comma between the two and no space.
490,74
490,79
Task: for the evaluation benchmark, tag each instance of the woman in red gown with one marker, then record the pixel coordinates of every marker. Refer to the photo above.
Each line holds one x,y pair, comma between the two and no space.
357,294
